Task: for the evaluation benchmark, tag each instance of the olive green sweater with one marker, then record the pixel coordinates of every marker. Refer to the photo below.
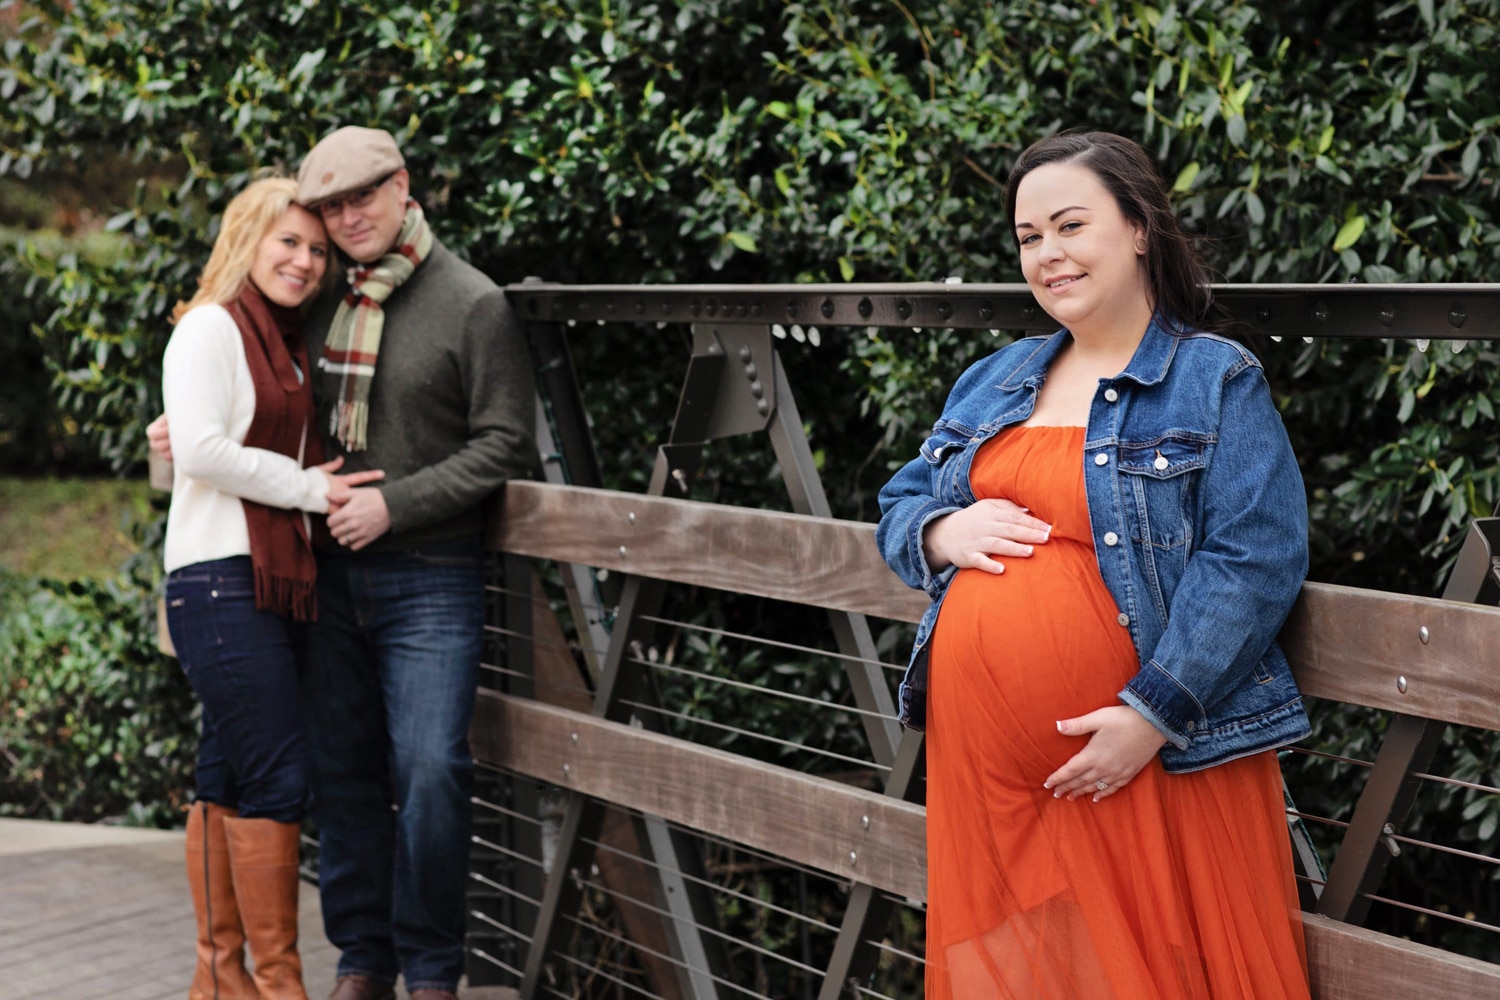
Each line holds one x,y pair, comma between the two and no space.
452,404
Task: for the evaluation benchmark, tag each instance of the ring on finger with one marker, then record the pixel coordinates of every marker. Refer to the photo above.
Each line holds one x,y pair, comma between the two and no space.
1101,784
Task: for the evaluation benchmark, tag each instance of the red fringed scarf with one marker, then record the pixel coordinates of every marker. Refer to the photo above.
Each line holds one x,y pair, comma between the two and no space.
280,552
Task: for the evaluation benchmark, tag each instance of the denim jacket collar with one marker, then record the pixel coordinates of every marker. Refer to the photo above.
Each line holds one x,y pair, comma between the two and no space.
1148,366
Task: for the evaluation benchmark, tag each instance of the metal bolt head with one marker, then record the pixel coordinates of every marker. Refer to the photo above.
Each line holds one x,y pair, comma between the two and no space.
1387,313
1401,683
762,407
903,309
566,769
986,311
827,309
1457,315
864,822
745,354
622,552
853,857
1424,635
750,370
1320,312
866,308
573,737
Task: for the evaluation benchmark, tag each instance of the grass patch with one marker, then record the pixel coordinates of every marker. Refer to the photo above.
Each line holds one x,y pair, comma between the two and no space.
69,529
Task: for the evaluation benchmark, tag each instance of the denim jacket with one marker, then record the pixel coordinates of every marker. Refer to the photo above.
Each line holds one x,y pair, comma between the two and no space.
1199,519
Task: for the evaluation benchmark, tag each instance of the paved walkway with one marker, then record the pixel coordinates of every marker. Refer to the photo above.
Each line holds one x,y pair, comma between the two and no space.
93,912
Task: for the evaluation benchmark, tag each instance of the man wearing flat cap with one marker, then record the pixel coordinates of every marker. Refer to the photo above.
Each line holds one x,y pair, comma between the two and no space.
422,371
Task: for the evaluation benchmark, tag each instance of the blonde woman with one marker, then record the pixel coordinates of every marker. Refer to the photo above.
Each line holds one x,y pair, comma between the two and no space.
241,576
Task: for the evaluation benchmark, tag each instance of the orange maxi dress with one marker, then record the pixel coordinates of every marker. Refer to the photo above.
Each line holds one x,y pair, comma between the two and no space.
1178,887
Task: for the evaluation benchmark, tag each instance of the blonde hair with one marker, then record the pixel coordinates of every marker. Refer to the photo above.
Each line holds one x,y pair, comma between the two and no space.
247,219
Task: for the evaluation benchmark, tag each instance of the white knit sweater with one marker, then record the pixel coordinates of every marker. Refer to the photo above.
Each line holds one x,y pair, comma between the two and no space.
210,403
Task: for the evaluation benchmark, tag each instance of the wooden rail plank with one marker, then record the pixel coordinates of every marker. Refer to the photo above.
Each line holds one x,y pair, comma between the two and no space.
846,831
1344,643
1355,645
823,562
1352,963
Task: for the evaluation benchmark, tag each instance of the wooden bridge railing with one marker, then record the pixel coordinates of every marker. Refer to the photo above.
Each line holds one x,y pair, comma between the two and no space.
617,832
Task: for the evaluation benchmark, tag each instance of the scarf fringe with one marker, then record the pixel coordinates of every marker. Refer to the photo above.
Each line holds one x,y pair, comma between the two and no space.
284,595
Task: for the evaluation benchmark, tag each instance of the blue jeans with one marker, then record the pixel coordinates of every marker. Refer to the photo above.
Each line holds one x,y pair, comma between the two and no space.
242,664
388,694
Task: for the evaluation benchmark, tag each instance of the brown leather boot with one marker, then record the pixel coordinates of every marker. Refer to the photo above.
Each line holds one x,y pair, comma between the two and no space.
263,856
220,974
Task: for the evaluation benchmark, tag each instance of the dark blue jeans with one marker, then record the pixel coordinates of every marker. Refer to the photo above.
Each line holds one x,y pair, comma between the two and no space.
392,665
242,663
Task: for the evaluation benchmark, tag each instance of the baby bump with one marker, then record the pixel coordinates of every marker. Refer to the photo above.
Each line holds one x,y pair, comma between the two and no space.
1014,653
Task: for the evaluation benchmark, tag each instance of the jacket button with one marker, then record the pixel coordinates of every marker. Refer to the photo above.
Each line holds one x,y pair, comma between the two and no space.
1123,619
1101,459
1111,395
1161,463
1111,539
1192,726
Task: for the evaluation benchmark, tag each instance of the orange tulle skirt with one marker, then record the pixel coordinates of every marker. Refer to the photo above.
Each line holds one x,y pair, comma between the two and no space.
1178,887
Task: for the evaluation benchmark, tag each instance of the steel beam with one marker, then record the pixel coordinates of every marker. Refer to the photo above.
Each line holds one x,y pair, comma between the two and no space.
1425,311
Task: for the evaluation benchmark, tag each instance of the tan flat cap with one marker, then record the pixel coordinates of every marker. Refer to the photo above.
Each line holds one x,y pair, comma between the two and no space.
347,159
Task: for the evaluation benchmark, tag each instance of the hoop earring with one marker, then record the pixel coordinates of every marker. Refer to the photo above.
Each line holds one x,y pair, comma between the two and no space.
1140,246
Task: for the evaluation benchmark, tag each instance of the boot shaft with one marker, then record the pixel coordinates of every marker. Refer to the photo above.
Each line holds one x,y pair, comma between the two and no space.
220,971
263,857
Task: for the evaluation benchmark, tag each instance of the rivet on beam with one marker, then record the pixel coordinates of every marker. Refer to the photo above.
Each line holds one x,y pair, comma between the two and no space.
1457,315
1401,683
827,308
866,308
1423,634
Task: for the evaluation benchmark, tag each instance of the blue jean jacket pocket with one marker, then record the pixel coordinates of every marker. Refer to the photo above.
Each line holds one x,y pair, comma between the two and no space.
1156,475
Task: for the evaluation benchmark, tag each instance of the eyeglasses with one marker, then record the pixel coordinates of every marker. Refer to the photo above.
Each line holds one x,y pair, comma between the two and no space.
355,199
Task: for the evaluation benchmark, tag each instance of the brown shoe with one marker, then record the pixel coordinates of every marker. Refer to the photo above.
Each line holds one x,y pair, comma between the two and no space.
263,856
220,974
361,988
431,994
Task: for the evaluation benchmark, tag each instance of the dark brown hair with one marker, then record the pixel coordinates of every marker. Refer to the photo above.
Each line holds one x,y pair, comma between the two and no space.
1176,274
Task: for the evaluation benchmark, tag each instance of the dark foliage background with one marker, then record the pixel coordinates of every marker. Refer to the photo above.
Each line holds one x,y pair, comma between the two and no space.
762,140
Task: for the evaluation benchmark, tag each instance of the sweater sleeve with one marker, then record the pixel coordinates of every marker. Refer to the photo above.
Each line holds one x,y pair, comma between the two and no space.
200,369
500,398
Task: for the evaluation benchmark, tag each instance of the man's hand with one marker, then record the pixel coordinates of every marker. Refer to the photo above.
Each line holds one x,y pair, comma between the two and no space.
969,538
1122,744
156,435
361,519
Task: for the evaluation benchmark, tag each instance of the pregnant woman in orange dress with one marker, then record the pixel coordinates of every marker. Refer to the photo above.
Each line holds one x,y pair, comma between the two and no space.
1112,527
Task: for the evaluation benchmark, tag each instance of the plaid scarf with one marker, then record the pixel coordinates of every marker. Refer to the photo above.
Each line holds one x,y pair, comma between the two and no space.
353,343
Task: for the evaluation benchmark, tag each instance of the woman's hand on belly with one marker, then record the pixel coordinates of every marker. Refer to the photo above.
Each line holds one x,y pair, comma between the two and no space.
972,537
1122,743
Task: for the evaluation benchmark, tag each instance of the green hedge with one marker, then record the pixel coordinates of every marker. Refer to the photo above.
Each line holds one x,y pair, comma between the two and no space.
95,724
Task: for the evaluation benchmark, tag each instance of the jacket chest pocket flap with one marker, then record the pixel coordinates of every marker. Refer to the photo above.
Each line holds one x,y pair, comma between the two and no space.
946,438
1156,475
